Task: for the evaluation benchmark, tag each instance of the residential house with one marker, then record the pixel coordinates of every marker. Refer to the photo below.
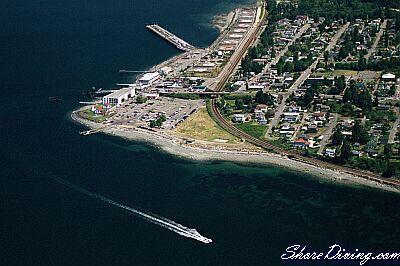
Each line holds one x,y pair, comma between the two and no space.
331,152
291,117
312,128
262,107
300,143
239,118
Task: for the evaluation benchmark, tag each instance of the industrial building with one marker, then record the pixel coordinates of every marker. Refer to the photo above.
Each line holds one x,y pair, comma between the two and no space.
119,96
149,78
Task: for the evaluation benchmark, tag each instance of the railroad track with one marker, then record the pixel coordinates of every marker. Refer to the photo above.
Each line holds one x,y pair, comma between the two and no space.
219,118
234,62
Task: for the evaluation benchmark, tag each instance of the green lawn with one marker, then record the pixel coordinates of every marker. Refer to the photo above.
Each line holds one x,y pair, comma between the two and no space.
89,115
253,129
279,142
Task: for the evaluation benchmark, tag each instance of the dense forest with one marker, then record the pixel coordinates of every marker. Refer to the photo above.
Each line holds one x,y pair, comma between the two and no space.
341,9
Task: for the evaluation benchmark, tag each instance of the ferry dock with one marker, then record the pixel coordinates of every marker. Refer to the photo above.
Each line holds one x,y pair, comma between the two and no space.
170,37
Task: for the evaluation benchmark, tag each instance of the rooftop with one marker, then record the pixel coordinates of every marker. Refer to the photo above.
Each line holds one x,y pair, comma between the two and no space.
388,76
149,76
118,93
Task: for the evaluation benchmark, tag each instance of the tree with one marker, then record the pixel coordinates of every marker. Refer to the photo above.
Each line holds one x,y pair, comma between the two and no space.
340,85
264,98
326,57
360,135
364,100
153,123
362,64
249,65
308,97
239,104
350,92
392,90
247,100
390,170
301,65
387,150
141,99
289,67
279,66
337,138
221,102
358,95
259,96
158,122
345,153
347,108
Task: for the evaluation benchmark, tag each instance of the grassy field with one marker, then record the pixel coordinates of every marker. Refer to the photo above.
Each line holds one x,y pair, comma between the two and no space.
280,143
89,115
368,75
338,72
253,129
200,126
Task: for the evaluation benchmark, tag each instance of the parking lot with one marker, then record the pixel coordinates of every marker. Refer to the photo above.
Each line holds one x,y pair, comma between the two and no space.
140,114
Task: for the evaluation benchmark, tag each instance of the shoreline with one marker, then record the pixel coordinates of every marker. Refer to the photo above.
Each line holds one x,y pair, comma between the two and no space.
174,146
222,21
203,151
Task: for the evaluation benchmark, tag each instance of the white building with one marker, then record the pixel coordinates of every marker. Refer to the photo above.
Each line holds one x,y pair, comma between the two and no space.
239,118
256,87
119,96
149,78
389,77
330,152
291,117
153,96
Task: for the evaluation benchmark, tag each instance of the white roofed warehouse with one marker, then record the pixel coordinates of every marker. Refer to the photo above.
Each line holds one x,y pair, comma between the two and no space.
149,78
119,96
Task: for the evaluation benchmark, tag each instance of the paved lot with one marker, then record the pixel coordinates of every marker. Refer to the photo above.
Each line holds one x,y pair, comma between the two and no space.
175,110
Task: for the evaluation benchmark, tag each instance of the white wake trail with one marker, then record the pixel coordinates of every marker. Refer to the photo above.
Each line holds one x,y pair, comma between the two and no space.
161,221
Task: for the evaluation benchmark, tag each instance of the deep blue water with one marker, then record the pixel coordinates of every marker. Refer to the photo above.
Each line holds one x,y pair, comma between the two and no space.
251,212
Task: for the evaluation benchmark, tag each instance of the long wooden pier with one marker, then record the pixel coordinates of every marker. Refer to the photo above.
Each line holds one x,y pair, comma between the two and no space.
170,37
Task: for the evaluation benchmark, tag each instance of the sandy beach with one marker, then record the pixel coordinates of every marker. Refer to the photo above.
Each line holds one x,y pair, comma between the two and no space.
179,148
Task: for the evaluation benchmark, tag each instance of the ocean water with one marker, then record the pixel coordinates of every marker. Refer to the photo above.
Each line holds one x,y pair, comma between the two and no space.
251,212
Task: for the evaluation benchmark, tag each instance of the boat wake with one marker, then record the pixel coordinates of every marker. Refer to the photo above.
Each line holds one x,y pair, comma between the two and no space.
161,221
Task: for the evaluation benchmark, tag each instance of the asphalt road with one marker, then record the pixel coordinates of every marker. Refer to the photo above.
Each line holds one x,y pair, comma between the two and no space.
281,53
394,130
377,39
302,78
328,132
